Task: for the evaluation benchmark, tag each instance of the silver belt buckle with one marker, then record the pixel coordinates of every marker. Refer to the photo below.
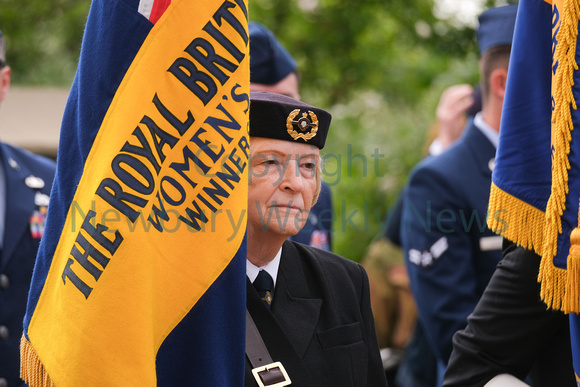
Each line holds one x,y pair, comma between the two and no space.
276,371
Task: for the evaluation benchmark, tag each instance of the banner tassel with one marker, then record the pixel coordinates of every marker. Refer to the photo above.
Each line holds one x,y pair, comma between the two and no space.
572,299
553,279
31,369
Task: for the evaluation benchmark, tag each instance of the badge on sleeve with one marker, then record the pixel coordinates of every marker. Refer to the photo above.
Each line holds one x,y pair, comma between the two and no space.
427,258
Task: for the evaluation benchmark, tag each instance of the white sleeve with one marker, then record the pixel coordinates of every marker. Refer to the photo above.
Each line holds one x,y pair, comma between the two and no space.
505,380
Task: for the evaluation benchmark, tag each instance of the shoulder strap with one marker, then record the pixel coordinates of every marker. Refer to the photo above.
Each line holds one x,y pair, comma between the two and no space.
256,350
265,371
261,322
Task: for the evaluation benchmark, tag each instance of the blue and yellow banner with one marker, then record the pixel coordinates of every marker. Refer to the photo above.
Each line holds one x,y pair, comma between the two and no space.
140,277
535,193
522,172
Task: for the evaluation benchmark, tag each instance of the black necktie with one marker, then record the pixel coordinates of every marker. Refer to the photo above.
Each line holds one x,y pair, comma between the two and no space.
264,286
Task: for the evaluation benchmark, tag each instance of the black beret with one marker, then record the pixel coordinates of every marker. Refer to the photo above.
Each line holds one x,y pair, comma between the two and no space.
496,27
283,118
269,60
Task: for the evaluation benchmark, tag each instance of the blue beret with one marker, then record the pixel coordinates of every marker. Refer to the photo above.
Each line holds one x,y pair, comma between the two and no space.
283,118
269,60
496,27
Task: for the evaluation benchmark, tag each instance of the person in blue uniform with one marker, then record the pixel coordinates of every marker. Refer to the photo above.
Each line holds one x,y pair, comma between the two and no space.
25,183
449,252
274,70
310,307
457,104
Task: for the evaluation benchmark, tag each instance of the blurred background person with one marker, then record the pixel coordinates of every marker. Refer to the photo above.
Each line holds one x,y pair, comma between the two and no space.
408,358
25,183
449,251
274,70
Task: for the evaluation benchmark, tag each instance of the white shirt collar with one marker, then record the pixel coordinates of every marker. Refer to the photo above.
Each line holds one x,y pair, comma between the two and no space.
488,131
436,148
271,267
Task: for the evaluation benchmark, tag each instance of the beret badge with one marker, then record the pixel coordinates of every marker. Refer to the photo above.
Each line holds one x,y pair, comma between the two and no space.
307,125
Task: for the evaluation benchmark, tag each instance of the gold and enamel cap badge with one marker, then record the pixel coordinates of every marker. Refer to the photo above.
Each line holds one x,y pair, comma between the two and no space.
307,125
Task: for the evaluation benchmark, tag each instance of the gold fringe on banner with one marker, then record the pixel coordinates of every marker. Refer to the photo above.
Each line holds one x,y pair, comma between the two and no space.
31,369
553,287
552,278
515,219
572,299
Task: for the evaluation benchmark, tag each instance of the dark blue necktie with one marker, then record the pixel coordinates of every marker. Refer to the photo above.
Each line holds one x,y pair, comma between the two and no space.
264,285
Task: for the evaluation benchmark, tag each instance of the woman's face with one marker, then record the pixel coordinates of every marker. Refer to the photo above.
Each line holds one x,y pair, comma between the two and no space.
283,184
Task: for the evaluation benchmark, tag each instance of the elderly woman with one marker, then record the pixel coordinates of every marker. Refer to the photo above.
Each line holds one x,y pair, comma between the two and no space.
309,307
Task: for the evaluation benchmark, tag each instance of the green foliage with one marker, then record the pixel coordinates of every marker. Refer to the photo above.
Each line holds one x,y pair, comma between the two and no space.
344,46
43,39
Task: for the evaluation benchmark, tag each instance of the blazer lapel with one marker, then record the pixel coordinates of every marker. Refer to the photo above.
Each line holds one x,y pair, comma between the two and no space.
294,307
481,148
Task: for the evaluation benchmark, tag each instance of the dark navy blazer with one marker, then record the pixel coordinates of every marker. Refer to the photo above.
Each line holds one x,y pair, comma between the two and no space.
449,251
320,326
26,203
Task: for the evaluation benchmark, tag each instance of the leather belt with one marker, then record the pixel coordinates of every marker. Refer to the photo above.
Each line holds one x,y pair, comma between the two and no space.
266,372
